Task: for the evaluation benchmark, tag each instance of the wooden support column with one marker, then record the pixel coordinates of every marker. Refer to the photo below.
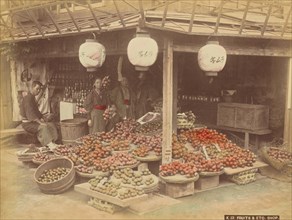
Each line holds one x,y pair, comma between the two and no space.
288,109
174,89
167,102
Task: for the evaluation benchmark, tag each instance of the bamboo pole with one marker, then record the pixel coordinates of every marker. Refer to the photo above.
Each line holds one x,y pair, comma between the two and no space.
94,16
192,16
244,17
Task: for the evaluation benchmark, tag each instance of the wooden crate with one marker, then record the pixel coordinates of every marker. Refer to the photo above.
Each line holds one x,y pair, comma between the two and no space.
244,116
207,182
177,190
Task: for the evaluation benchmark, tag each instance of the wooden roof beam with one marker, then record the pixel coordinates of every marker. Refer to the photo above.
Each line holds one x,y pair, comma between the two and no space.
218,17
9,30
244,17
35,22
119,13
23,30
72,17
52,19
286,21
192,16
267,19
94,16
165,13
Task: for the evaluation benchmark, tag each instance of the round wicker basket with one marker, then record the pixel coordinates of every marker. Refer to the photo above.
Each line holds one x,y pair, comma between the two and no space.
60,185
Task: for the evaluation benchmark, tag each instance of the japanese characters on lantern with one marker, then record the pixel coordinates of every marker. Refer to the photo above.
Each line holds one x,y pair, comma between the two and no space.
142,52
212,58
91,55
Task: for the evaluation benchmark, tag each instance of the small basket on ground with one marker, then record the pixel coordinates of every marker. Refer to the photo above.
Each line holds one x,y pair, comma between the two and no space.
60,185
244,177
277,164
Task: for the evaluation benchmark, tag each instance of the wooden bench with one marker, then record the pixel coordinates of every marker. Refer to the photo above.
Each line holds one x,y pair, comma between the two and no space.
13,131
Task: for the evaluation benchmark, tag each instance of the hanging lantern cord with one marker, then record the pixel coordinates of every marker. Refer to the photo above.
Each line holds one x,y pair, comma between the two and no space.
94,36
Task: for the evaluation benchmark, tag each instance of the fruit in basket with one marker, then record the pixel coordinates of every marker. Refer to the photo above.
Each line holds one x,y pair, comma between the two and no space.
117,145
279,154
178,149
141,151
176,167
84,169
42,157
63,150
53,175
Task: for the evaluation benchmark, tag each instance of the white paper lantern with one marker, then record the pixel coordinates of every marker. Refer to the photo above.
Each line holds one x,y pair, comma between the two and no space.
142,52
212,58
91,54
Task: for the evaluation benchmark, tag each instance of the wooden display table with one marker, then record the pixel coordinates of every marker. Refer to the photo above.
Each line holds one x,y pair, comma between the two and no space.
246,132
257,164
244,175
84,188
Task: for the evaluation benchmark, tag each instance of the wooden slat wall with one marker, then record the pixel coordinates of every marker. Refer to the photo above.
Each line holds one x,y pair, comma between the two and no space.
288,110
6,100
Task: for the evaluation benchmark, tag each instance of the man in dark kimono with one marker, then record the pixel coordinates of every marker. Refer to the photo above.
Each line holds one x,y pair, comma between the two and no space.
145,95
33,120
124,99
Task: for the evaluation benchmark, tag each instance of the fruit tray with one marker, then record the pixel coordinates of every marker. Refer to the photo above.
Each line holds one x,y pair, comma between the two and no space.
92,175
149,158
178,178
84,188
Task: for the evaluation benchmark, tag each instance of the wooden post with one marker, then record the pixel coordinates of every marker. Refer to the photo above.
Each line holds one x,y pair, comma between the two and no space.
174,89
288,109
167,101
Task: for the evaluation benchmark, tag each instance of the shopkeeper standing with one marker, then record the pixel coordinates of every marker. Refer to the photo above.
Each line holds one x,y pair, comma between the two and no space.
145,95
96,102
33,121
123,98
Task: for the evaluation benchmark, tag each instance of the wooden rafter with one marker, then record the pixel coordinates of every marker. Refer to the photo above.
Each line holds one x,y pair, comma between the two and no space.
192,16
94,16
164,14
244,17
267,19
35,22
9,30
119,13
219,16
286,21
52,19
141,10
71,16
23,30
131,5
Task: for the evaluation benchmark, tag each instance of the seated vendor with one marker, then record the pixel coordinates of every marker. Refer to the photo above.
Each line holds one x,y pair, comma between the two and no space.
33,121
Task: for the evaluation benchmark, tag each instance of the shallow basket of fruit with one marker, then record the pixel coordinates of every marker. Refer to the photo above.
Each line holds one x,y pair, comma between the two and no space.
55,176
27,154
41,158
89,172
178,172
277,157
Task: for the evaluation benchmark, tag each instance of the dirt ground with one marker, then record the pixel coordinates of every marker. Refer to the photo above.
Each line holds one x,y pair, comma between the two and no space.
21,198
